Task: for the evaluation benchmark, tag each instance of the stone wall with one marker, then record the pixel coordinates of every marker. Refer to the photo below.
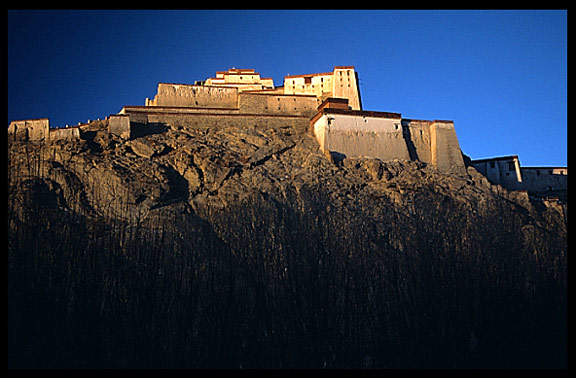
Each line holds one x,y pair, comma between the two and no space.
119,124
213,119
418,140
371,134
195,96
30,129
386,136
444,147
65,133
264,103
546,181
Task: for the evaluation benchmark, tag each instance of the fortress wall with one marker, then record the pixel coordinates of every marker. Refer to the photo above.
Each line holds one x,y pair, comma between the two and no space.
356,135
544,180
64,133
119,124
32,129
319,128
217,120
277,104
133,110
445,149
195,95
418,139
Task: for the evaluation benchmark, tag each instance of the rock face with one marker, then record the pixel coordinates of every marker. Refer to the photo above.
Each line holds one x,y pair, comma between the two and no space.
247,247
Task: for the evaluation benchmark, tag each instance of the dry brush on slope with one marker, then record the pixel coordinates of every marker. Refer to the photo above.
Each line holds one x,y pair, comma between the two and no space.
248,248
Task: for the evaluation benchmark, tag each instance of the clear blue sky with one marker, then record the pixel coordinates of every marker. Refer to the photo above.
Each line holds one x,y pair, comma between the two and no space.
501,76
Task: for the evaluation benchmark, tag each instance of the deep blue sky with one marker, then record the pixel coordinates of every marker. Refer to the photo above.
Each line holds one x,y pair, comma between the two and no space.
501,76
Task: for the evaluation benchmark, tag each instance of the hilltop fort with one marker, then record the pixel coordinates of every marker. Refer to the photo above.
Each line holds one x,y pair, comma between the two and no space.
328,105
232,223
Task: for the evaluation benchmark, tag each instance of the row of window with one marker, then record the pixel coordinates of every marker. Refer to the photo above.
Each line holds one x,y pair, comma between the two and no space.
512,167
308,80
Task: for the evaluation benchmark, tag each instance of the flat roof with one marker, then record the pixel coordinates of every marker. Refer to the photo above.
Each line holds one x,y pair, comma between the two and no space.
362,113
358,113
546,167
497,158
323,73
310,75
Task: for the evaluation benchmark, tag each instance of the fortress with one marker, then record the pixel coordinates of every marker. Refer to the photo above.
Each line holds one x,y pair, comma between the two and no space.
327,105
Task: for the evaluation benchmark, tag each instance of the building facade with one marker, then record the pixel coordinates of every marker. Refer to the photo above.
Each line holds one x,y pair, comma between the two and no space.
342,82
344,132
539,181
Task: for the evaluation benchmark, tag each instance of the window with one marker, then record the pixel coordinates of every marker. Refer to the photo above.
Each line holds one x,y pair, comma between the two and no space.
511,166
307,80
492,164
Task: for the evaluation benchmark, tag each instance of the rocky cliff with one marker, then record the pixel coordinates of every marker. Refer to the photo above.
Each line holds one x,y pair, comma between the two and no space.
246,247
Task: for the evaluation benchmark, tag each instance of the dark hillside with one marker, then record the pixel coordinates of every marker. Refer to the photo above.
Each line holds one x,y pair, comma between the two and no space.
246,248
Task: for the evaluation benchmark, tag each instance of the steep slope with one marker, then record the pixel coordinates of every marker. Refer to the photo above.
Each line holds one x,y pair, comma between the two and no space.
246,247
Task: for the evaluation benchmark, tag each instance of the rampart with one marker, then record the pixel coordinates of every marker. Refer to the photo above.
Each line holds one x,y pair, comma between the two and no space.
444,147
30,129
195,96
119,124
281,104
342,132
418,140
211,118
64,133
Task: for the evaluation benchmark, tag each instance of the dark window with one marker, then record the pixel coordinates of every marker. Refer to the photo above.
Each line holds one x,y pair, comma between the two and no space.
307,80
492,164
511,166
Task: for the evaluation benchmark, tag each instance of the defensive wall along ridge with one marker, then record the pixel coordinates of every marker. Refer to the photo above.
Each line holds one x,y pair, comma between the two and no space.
328,105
